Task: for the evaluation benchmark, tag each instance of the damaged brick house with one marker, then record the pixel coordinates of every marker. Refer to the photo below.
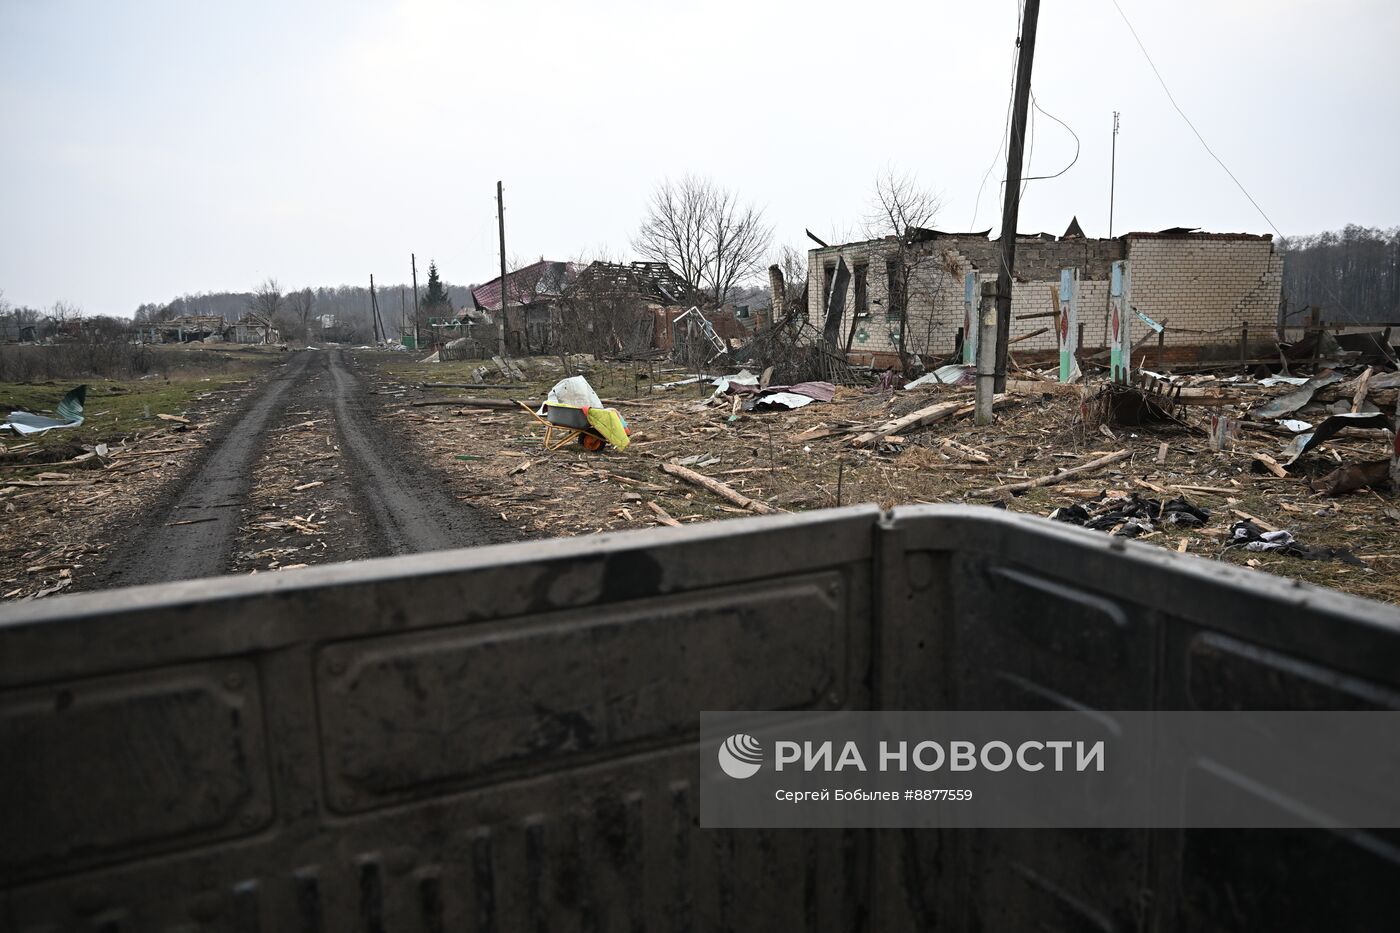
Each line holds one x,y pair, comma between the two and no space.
534,295
1206,290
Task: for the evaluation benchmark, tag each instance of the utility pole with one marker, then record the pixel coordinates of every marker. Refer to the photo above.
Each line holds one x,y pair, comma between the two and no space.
1012,204
373,309
1112,173
413,263
501,223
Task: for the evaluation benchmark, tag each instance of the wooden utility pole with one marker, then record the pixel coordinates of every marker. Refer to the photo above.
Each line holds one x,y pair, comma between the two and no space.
413,263
501,224
373,309
1011,206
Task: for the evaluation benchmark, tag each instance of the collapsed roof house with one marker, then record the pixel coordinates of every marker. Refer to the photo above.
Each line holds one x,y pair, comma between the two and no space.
533,299
616,308
252,328
1207,292
183,329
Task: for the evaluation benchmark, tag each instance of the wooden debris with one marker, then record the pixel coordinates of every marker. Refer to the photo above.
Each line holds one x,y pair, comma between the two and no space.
662,515
501,403
1161,454
965,452
718,488
1057,477
1271,465
1361,385
164,417
1256,520
942,410
311,485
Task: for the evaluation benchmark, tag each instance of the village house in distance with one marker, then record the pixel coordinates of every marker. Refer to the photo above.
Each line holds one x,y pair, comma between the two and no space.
1209,293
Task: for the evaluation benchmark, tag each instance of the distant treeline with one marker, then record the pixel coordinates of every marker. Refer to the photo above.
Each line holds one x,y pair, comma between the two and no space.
1353,274
349,303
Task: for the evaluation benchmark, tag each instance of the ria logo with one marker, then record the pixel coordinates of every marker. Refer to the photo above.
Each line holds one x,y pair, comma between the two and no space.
741,756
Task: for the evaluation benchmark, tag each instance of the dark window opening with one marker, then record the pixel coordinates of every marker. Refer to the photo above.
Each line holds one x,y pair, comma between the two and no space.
894,270
862,304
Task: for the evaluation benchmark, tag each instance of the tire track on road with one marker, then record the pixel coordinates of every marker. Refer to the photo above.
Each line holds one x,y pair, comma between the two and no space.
210,500
412,507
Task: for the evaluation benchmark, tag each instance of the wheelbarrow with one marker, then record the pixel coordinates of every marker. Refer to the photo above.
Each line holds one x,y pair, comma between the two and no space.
566,424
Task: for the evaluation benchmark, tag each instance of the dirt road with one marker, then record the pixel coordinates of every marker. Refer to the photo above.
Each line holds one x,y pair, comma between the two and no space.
306,473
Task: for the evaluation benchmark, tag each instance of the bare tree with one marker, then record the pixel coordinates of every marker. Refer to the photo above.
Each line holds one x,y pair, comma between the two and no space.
899,208
300,304
703,233
266,300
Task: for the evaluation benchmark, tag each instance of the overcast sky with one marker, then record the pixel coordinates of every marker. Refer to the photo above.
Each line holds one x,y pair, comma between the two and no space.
155,148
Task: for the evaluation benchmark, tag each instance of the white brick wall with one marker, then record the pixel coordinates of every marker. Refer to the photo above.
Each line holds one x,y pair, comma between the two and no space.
1203,288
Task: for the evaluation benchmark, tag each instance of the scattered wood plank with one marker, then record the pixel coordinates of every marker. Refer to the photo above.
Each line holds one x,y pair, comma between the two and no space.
1271,465
939,412
1161,454
965,452
1361,385
1255,519
501,403
718,488
1056,477
1034,333
305,486
662,515
176,418
1034,387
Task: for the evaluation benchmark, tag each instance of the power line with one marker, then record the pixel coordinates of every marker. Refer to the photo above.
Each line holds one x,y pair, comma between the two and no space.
1006,130
1162,82
1036,105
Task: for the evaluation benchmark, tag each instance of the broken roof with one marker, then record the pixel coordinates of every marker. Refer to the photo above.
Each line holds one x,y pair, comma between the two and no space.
539,280
653,280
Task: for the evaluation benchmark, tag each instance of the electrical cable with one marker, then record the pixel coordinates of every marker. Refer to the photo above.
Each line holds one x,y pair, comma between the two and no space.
1162,81
1006,131
1036,105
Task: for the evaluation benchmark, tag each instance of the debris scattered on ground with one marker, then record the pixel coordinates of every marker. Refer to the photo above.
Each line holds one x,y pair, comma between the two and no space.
70,415
1251,537
878,444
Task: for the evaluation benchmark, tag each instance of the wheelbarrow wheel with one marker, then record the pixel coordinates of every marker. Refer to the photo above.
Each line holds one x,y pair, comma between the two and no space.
590,442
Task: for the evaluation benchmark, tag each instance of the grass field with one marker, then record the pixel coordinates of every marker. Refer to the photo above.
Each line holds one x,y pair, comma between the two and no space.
118,408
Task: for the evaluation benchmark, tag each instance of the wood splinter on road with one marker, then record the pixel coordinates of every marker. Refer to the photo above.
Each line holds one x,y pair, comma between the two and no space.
1054,478
311,485
719,489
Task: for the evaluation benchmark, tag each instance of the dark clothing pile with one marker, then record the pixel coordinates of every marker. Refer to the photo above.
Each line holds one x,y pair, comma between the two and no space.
1132,515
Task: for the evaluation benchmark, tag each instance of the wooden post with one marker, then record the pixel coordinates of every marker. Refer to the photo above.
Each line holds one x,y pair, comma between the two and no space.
501,224
413,264
373,312
1012,205
1162,347
1244,342
1079,348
